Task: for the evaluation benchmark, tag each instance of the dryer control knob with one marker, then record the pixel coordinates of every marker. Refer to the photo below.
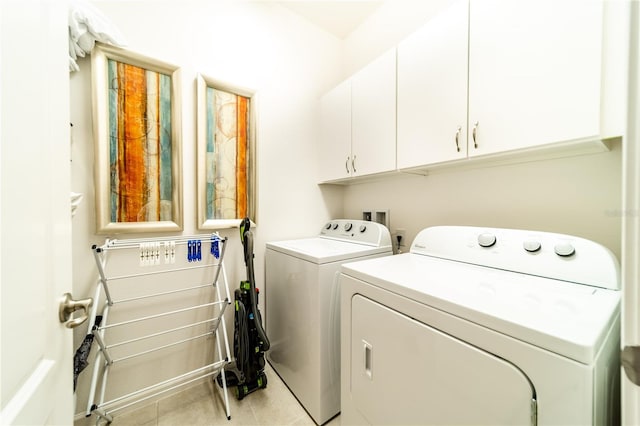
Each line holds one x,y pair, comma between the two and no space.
335,226
327,226
564,249
532,246
363,228
486,240
348,226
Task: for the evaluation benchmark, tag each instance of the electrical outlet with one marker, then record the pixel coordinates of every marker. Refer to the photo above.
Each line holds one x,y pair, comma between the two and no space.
399,236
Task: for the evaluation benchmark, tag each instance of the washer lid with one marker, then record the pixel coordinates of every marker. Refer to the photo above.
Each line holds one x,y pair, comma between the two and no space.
339,239
325,250
566,318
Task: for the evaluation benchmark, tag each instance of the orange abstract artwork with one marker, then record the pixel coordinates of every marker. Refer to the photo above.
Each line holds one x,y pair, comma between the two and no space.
140,144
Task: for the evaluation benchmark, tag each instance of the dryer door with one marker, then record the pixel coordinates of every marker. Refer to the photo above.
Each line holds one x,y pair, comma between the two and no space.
405,372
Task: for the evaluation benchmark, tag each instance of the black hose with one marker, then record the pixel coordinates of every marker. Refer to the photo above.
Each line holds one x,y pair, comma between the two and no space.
242,330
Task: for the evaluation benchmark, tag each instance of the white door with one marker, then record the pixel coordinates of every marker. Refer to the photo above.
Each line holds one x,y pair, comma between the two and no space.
432,90
631,226
35,221
534,72
335,133
373,116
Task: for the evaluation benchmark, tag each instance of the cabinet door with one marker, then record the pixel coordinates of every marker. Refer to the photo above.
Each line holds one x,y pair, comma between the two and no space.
534,72
374,116
432,90
334,150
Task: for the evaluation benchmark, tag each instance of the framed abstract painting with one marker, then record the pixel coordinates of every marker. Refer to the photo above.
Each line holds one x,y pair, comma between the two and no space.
225,154
136,119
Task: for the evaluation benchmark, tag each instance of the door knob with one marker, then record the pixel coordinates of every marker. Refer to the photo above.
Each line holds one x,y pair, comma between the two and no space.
69,306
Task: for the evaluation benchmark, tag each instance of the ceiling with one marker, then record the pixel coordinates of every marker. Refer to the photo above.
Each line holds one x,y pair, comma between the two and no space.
338,17
334,16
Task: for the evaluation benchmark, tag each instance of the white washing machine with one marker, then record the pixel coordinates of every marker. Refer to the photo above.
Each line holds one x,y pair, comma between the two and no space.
483,327
302,308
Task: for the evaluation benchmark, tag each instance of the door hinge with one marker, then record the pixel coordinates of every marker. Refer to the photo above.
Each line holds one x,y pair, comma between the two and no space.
630,358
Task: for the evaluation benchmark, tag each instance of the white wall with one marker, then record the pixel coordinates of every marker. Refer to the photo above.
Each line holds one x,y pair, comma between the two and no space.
256,45
579,196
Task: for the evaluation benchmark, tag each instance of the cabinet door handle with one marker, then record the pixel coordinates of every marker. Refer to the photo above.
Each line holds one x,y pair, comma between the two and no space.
346,165
458,138
353,164
475,131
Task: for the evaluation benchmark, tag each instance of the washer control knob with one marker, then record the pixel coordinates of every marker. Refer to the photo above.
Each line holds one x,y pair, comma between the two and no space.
335,226
348,226
564,249
363,228
532,246
327,226
486,240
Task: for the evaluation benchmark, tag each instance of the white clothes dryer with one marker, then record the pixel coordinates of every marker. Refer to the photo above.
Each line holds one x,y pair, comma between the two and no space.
302,307
484,327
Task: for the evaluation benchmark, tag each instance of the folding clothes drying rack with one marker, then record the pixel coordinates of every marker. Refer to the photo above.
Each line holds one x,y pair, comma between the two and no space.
156,256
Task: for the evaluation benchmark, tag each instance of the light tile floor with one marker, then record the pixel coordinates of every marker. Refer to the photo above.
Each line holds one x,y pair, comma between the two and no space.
203,404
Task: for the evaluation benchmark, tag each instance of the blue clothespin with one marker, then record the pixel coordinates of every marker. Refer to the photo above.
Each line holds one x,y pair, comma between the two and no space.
215,246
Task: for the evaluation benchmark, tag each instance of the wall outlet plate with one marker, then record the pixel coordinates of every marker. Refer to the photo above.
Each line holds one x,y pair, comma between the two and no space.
399,237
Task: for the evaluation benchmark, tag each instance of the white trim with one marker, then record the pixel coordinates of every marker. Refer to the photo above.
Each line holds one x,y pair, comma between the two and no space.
631,223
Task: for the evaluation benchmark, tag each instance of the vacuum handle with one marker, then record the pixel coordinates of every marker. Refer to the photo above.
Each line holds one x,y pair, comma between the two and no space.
245,226
247,242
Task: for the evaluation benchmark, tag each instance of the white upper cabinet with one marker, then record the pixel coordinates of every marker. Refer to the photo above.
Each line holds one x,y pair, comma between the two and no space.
535,73
490,80
511,79
358,123
373,114
334,150
432,90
